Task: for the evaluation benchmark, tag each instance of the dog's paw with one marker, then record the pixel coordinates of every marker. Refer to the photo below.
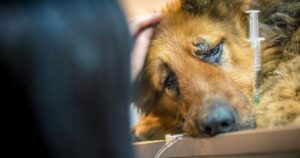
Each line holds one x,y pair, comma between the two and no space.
147,131
278,114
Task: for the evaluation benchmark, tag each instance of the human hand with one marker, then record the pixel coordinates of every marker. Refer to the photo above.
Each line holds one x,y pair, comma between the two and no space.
141,30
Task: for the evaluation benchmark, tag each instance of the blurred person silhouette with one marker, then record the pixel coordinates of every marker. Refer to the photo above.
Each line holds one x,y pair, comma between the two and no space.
65,77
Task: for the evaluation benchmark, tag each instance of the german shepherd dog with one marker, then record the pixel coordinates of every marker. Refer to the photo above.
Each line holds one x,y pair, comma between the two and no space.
198,77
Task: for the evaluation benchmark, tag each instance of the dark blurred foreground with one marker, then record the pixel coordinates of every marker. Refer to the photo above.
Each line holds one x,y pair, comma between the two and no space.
64,79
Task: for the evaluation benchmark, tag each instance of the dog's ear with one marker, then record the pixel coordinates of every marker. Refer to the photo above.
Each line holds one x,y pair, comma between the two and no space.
217,7
144,96
229,11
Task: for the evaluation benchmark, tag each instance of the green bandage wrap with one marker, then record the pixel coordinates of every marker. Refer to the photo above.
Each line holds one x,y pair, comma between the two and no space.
256,99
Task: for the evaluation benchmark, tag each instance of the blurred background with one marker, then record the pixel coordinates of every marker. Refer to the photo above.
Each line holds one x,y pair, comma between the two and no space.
138,7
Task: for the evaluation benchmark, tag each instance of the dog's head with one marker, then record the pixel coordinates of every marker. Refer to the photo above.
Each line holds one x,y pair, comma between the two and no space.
200,64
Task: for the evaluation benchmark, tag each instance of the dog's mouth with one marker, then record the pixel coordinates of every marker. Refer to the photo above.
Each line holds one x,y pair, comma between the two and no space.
209,131
249,123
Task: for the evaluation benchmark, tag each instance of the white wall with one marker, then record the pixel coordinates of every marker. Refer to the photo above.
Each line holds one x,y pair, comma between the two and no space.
138,7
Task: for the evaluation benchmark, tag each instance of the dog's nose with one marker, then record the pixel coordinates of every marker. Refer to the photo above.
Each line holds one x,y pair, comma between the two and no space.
220,118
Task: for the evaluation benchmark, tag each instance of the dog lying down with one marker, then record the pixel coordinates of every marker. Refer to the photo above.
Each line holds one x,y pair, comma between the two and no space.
198,77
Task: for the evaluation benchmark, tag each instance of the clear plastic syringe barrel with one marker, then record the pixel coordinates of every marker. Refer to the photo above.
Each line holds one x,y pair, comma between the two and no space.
255,44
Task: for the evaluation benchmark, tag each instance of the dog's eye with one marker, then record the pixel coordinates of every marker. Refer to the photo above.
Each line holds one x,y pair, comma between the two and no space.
171,83
210,55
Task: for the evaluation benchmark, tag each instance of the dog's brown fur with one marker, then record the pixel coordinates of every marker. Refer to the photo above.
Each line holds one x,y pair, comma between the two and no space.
173,105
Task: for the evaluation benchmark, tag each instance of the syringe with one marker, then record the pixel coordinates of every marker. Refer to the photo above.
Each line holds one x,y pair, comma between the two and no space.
255,44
